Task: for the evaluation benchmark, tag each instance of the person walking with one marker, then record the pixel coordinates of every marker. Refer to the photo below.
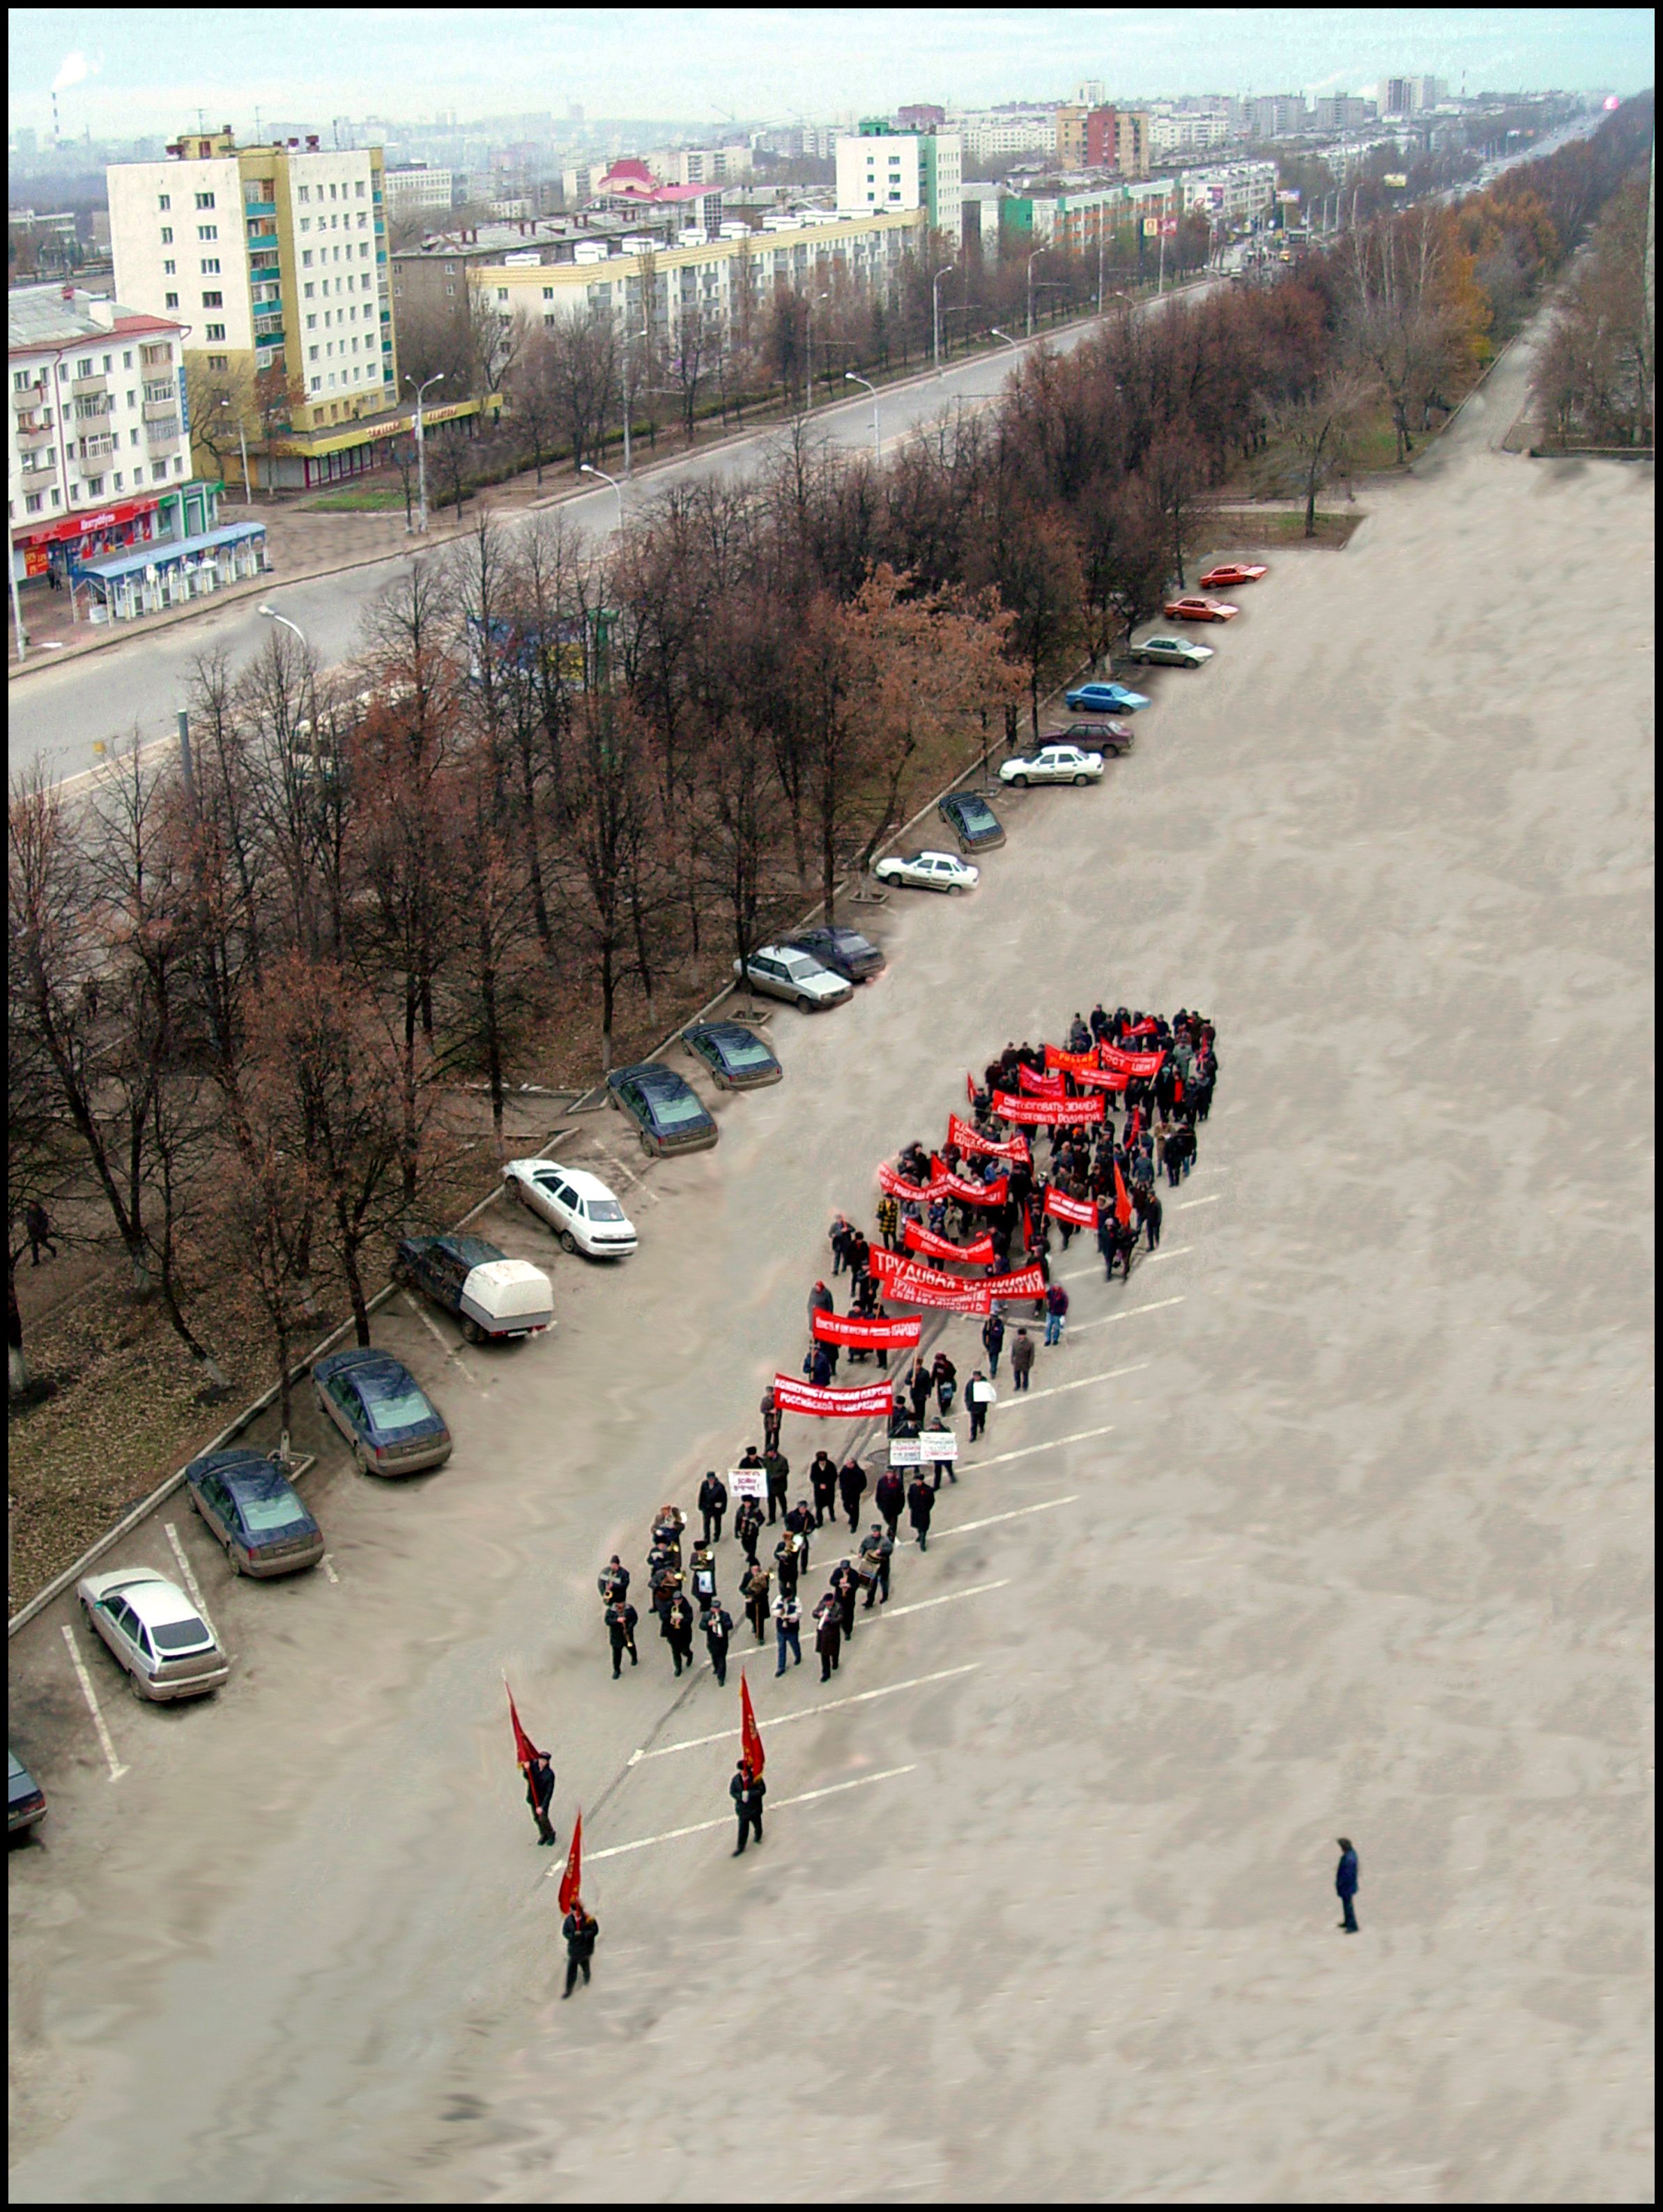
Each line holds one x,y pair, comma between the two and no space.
993,1340
1345,1881
1152,1218
754,1590
846,1586
820,1300
580,1928
712,1505
828,1634
718,1625
621,1618
918,1389
888,1216
1107,1228
823,1480
851,1488
945,1376
540,1795
702,1576
979,1395
919,1504
786,1563
747,1791
771,1418
1056,1313
1021,1360
787,1630
777,1469
613,1581
747,1526
800,1522
678,1632
876,1552
837,1237
890,1498
943,1465
38,1228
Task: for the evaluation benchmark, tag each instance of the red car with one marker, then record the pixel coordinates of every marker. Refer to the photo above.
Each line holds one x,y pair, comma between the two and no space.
1229,573
1194,609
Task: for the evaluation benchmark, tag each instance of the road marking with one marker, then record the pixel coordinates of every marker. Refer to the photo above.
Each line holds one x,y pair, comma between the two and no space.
117,1770
808,1713
1015,1514
438,1336
1079,1437
191,1582
328,1566
702,1828
1145,1260
923,1604
1029,1397
621,1167
1189,1204
1124,1315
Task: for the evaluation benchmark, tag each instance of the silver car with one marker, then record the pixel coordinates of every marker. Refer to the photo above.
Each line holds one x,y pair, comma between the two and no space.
1167,652
780,971
165,1646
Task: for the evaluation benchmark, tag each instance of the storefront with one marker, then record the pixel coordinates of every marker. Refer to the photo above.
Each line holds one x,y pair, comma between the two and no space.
306,461
60,547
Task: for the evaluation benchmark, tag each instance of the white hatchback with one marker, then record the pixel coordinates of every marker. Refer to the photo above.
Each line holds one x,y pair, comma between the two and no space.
166,1647
928,871
580,1209
784,972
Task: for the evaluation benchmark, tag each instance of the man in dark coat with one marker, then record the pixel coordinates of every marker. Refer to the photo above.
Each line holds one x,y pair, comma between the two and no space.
890,1498
621,1618
919,1504
718,1625
828,1633
540,1795
777,1469
713,1504
580,1930
822,1479
747,1791
1345,1881
993,1340
679,1632
747,1526
851,1488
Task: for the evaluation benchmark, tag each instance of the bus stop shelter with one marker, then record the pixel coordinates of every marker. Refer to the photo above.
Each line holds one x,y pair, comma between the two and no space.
167,572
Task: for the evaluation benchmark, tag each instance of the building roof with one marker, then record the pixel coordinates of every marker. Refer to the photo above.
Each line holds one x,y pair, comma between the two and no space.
41,316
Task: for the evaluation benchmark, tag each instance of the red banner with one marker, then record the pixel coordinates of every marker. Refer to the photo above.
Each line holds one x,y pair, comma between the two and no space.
1146,1027
750,1735
1068,1111
1020,1283
1123,1205
966,1187
524,1749
1040,1086
571,1882
1143,1064
864,1332
1081,1212
912,1286
1073,1063
977,1254
971,1140
899,1186
791,1396
1103,1078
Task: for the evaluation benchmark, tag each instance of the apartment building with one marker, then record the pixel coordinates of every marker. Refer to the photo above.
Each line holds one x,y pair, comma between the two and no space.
276,257
415,189
700,165
1074,221
1179,133
993,135
1343,112
901,171
1276,115
1131,142
1229,192
97,458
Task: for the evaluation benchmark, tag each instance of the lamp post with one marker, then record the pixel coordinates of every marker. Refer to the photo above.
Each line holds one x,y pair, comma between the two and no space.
647,335
808,347
586,469
247,495
1032,258
936,303
271,615
877,442
438,377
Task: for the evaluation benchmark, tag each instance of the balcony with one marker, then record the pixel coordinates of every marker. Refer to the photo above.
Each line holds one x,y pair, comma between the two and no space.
39,464
265,264
81,386
162,437
29,395
264,229
89,411
32,436
259,207
91,451
161,410
268,329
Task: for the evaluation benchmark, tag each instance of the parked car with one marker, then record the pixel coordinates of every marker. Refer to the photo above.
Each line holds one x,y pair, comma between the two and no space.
253,1510
972,821
927,871
1229,575
1115,738
1196,609
490,1295
781,972
1105,699
844,951
668,1115
157,1635
577,1206
373,1399
1052,763
1164,652
25,1800
736,1056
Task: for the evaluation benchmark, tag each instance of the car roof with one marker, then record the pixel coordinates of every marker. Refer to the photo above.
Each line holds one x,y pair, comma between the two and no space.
362,1357
225,1463
727,1033
929,853
578,1179
151,1595
652,1075
778,950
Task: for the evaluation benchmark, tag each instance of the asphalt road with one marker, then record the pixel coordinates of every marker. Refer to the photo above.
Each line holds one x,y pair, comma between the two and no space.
1334,1521
55,714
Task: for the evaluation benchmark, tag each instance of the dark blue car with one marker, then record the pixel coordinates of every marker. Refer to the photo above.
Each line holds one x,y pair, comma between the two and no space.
736,1056
972,821
668,1115
392,1425
844,951
255,1512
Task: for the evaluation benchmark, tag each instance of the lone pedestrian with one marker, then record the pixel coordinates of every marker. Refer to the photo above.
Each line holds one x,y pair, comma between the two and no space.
1152,1218
580,1930
38,1228
919,1504
621,1618
747,1791
1021,1360
712,1505
993,1340
1345,1881
828,1634
718,1625
979,1395
890,1498
787,1630
754,1590
851,1488
540,1795
877,1549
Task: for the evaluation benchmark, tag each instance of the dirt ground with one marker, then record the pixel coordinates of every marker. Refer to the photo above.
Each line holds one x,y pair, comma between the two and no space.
1335,1520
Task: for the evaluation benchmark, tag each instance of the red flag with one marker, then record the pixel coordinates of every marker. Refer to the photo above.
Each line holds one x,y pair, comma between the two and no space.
524,1749
1123,1205
571,1882
970,1089
750,1735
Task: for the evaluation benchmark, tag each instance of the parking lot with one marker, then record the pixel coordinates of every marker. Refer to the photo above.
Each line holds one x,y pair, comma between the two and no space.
1335,1519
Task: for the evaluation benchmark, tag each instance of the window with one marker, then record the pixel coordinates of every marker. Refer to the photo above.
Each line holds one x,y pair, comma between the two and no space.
308,291
133,437
311,322
167,233
304,194
305,258
164,201
204,199
171,299
332,189
359,189
118,480
311,353
132,401
306,223
94,487
215,333
214,300
317,381
31,501
84,367
211,267
363,224
501,292
170,268
219,361
209,231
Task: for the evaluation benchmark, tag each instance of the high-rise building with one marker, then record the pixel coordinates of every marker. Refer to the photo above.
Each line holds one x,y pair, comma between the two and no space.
922,118
1429,91
1276,115
895,171
1400,95
1068,147
1102,138
1131,142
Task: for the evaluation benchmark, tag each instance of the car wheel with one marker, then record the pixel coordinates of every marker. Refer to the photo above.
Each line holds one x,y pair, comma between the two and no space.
134,1684
361,1459
646,1143
1081,779
231,1559
472,1330
804,1006
1021,781
568,1241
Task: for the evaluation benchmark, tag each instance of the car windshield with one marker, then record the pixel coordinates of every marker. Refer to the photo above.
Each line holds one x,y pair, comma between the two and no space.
605,1209
745,1052
180,1636
394,1402
675,1111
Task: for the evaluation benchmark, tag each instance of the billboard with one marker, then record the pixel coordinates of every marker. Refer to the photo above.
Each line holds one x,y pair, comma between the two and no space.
1397,179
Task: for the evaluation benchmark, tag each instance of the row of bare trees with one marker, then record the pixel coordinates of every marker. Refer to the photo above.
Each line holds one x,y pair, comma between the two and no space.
1595,377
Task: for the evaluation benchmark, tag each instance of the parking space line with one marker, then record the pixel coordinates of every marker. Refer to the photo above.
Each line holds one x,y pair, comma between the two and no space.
1189,1204
328,1566
1125,1313
1026,1451
117,1770
1031,1397
621,1167
807,1712
1015,1514
704,1828
438,1336
191,1582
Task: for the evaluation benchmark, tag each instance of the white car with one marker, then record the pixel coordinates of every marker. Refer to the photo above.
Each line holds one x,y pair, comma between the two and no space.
156,1634
1166,652
577,1206
782,972
1052,764
928,871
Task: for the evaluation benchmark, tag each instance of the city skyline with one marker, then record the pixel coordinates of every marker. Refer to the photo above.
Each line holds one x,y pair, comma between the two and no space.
146,71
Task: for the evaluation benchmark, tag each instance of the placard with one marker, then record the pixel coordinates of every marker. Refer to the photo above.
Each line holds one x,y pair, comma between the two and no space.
906,1451
938,1444
748,1481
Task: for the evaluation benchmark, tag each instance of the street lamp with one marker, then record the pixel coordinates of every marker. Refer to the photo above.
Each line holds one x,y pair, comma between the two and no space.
438,377
936,303
996,332
1032,258
877,442
271,615
628,334
808,347
247,495
586,469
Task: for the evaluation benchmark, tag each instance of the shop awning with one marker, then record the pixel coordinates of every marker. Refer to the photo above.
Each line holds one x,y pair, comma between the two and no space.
77,526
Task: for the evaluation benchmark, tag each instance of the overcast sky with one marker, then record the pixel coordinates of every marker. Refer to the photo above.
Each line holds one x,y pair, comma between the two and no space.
121,73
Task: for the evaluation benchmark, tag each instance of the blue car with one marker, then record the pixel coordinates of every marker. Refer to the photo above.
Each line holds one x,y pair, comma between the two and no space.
252,1509
1105,699
668,1115
392,1425
736,1056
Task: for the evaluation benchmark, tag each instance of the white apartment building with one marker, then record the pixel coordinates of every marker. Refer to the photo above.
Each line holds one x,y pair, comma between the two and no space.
417,190
700,165
992,135
896,171
1173,133
97,457
1228,192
